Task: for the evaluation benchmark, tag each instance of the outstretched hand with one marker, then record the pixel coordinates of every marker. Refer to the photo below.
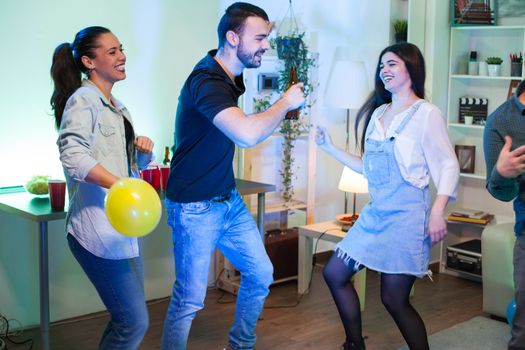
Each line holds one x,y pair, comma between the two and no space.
510,164
322,138
143,144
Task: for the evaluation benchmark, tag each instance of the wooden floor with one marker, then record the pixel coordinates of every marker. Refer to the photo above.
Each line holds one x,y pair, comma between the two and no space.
313,324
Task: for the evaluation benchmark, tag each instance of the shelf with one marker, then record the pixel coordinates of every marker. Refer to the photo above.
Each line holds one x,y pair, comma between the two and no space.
459,273
473,176
464,126
487,41
491,28
483,77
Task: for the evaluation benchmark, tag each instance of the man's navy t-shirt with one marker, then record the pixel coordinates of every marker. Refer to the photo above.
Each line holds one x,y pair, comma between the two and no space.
201,167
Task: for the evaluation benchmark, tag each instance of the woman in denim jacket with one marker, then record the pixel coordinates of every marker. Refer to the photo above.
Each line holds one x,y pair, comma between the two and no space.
98,146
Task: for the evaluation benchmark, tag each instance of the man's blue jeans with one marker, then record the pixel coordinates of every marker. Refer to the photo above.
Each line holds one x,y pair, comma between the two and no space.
198,228
120,285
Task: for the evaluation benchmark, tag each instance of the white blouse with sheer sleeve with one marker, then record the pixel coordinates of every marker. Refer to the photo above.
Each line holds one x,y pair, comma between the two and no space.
423,149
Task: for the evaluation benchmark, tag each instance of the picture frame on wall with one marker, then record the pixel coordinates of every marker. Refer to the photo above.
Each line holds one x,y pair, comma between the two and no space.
512,87
466,158
473,12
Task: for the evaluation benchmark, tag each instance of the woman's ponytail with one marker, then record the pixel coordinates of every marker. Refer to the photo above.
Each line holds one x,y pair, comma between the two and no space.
67,77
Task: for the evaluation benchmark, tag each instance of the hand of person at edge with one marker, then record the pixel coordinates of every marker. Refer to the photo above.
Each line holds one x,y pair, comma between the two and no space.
510,164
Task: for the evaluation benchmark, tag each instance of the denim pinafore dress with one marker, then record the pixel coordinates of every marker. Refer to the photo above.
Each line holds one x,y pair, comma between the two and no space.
390,235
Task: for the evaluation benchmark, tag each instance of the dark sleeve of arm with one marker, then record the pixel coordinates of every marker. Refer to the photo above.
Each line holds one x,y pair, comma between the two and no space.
499,187
212,95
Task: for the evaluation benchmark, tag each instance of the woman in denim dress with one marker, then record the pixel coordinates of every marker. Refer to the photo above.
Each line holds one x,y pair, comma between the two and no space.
404,145
98,146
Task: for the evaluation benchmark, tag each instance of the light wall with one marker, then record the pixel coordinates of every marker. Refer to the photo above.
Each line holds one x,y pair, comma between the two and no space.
358,30
163,39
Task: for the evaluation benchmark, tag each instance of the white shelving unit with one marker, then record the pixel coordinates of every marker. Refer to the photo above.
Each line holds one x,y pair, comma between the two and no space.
459,232
486,41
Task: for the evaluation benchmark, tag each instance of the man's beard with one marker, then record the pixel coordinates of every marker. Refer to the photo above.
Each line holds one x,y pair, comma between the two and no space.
248,59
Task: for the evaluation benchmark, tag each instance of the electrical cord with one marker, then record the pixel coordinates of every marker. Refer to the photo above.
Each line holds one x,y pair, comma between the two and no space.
298,301
219,299
5,334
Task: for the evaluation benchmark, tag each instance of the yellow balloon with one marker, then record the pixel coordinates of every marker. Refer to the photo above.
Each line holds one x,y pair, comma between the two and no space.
133,207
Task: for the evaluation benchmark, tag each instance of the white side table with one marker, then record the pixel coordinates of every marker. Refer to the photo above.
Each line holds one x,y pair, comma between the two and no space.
332,233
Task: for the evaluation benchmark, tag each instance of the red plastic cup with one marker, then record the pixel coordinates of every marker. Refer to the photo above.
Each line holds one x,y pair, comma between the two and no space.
152,176
164,174
57,194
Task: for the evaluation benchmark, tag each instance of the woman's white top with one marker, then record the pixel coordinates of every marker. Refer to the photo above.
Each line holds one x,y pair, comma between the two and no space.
423,149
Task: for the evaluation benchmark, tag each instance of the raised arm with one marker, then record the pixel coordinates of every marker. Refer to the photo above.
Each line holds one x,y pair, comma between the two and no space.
249,130
503,164
324,141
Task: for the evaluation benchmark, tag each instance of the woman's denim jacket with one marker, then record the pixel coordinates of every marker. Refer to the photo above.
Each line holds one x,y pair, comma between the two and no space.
92,132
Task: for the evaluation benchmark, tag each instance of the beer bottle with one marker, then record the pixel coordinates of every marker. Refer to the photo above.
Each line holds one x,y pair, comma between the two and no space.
166,160
293,114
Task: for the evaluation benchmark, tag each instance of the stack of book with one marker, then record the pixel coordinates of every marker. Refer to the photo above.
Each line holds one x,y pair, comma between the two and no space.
471,216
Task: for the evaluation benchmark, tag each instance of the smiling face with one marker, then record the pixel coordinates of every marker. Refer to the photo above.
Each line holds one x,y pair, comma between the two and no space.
108,65
393,73
253,42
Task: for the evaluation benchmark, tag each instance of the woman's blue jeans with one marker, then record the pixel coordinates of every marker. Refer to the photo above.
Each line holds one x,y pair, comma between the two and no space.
120,285
198,228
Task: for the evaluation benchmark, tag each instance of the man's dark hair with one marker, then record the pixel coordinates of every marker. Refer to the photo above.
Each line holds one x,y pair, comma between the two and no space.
234,18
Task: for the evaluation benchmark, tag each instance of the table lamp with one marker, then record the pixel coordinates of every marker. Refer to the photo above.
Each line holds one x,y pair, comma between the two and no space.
352,182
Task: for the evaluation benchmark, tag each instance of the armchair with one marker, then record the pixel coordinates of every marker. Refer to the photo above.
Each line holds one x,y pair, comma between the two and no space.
497,250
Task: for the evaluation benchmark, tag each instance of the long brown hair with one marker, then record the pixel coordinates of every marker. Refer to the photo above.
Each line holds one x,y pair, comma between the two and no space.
67,67
415,64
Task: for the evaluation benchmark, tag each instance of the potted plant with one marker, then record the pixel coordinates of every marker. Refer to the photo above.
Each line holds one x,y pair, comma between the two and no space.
494,65
400,30
288,44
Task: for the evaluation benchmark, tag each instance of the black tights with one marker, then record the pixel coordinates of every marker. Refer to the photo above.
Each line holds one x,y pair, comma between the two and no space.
395,291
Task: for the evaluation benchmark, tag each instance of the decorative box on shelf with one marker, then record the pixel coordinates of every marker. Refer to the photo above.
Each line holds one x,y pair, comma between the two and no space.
474,106
471,216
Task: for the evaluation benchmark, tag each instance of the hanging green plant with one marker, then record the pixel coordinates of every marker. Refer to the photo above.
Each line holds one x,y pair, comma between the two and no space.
293,55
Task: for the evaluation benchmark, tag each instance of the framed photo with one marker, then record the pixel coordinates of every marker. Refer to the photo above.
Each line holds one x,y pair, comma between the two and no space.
473,12
512,88
466,158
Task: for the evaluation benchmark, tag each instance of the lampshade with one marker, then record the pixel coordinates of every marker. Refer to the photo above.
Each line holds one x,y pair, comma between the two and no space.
352,182
347,85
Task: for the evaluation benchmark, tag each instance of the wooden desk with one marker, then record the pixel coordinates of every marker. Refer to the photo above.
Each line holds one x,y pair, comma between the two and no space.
332,233
224,270
38,210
